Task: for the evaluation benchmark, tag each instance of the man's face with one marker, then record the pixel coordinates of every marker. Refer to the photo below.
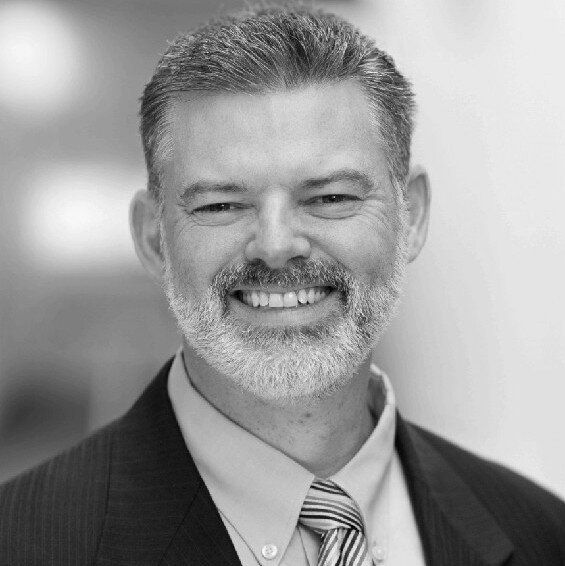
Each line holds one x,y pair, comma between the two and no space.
283,235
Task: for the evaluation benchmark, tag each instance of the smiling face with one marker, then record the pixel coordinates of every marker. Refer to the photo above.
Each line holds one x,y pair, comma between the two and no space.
283,236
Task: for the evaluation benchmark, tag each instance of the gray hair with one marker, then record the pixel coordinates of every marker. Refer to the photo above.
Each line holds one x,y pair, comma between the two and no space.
273,49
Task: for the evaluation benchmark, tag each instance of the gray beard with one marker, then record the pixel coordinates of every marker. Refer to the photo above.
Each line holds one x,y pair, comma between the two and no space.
287,363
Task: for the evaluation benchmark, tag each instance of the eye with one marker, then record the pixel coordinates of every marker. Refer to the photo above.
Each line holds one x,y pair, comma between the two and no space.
217,207
218,213
333,199
334,205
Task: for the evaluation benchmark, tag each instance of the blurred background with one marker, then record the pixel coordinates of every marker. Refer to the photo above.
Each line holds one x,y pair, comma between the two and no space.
477,351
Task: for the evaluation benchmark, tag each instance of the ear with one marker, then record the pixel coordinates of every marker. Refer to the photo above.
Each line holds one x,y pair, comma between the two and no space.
146,232
418,196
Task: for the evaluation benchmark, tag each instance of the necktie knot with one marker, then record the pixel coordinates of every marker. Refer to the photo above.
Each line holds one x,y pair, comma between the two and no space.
328,507
331,513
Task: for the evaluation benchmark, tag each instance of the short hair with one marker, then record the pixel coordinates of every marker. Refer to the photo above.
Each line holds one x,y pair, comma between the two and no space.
272,49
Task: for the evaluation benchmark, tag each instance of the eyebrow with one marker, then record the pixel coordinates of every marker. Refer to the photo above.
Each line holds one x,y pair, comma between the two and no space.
204,187
351,175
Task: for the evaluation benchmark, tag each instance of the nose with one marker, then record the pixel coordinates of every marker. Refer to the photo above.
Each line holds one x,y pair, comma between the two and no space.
276,239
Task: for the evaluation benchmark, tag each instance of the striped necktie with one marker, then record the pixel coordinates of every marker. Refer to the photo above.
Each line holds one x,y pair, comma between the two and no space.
330,512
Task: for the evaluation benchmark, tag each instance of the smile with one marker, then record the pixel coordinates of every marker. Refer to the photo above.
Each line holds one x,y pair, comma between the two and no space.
282,300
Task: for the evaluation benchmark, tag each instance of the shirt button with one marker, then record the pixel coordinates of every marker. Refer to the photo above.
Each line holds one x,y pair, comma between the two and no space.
378,554
269,551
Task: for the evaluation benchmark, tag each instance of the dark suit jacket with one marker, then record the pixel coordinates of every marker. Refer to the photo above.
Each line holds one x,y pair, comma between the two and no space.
131,495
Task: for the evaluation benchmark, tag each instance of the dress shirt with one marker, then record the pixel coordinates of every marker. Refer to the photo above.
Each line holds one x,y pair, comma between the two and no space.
259,491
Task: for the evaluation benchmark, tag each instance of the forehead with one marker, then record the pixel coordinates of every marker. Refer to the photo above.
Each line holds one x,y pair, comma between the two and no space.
272,138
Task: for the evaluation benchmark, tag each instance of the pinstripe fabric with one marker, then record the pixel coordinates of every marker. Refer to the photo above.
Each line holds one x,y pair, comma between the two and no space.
331,513
130,495
53,515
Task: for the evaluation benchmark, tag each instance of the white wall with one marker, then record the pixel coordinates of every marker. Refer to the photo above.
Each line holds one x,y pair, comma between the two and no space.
478,350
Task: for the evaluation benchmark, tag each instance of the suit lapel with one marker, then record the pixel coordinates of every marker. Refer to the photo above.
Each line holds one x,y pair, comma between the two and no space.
454,525
159,510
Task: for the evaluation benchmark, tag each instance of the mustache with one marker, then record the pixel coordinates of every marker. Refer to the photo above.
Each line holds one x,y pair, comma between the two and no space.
298,273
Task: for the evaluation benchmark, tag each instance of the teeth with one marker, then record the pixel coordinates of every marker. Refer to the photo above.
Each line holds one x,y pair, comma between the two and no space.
275,300
263,298
255,298
289,299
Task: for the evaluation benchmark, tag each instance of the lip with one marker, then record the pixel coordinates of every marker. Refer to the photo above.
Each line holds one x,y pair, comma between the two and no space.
294,316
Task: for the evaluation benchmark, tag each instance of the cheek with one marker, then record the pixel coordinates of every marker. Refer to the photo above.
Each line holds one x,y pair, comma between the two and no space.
365,247
373,264
202,252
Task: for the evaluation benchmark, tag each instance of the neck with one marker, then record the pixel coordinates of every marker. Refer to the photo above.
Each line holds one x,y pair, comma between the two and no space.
320,434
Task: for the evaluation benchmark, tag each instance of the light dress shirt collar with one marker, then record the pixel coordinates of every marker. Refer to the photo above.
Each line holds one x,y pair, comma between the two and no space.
258,490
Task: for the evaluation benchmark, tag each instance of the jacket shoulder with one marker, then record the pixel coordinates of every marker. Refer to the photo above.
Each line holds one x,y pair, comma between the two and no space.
54,513
518,503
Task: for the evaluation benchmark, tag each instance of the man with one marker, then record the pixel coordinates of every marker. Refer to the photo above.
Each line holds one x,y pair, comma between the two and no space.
280,216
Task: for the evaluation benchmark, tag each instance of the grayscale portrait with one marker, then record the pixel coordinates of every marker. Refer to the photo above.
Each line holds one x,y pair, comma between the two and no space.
293,354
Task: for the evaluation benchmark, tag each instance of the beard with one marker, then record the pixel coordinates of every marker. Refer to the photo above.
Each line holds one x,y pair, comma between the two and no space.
291,362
